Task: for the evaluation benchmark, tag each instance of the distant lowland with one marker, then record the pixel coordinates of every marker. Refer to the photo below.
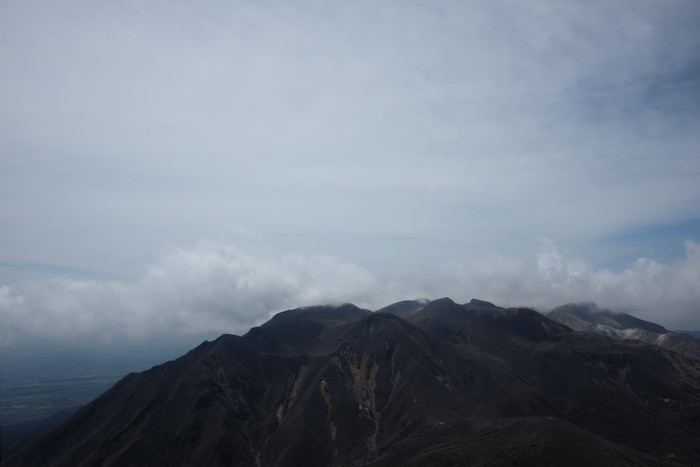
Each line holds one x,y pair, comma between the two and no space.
416,383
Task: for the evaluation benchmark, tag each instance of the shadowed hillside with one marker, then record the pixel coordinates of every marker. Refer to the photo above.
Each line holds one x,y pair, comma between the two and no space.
417,383
587,317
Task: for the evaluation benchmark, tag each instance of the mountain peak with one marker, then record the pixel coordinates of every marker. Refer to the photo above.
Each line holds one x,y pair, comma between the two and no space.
476,303
579,316
588,317
412,384
318,313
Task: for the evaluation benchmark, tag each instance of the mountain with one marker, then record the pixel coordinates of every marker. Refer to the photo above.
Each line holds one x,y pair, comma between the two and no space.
416,383
695,334
10,434
587,317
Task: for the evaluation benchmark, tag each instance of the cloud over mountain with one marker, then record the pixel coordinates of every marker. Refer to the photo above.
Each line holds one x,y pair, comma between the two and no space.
420,147
216,287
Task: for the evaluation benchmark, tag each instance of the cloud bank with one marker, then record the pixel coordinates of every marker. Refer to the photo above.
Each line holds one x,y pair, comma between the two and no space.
341,125
216,288
210,288
658,292
400,140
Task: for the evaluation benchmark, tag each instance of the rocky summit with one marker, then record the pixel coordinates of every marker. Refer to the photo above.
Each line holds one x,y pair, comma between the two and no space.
416,383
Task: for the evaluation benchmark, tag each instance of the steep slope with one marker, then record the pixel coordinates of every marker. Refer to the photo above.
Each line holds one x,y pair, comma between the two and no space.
626,392
404,307
426,383
588,317
695,334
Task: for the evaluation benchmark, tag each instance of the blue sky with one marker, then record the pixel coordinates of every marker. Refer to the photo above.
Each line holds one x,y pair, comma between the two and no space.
171,163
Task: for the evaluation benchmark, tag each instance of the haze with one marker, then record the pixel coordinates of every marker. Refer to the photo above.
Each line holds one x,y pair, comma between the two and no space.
173,168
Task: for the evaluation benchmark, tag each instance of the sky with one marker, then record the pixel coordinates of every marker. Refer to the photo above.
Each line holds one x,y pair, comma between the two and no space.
178,168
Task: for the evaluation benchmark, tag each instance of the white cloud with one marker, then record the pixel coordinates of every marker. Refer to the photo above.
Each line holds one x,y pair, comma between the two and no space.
212,288
215,288
662,293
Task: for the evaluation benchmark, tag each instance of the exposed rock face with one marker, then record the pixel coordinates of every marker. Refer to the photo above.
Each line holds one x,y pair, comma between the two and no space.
416,384
587,317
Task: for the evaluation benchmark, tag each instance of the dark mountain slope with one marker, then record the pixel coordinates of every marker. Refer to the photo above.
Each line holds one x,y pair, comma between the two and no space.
624,391
532,441
695,334
445,384
178,410
320,314
588,317
601,320
306,330
404,307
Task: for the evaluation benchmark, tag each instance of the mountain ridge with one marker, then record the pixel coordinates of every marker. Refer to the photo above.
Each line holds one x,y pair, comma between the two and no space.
587,317
413,383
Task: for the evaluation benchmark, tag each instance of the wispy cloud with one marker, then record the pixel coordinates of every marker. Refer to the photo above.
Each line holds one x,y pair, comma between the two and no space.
211,288
216,288
659,292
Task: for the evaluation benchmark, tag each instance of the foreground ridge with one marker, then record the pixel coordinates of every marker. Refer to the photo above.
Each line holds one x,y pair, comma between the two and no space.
416,383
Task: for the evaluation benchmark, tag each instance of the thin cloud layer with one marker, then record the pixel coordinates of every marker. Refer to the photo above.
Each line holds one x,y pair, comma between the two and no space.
339,125
211,288
663,293
216,288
